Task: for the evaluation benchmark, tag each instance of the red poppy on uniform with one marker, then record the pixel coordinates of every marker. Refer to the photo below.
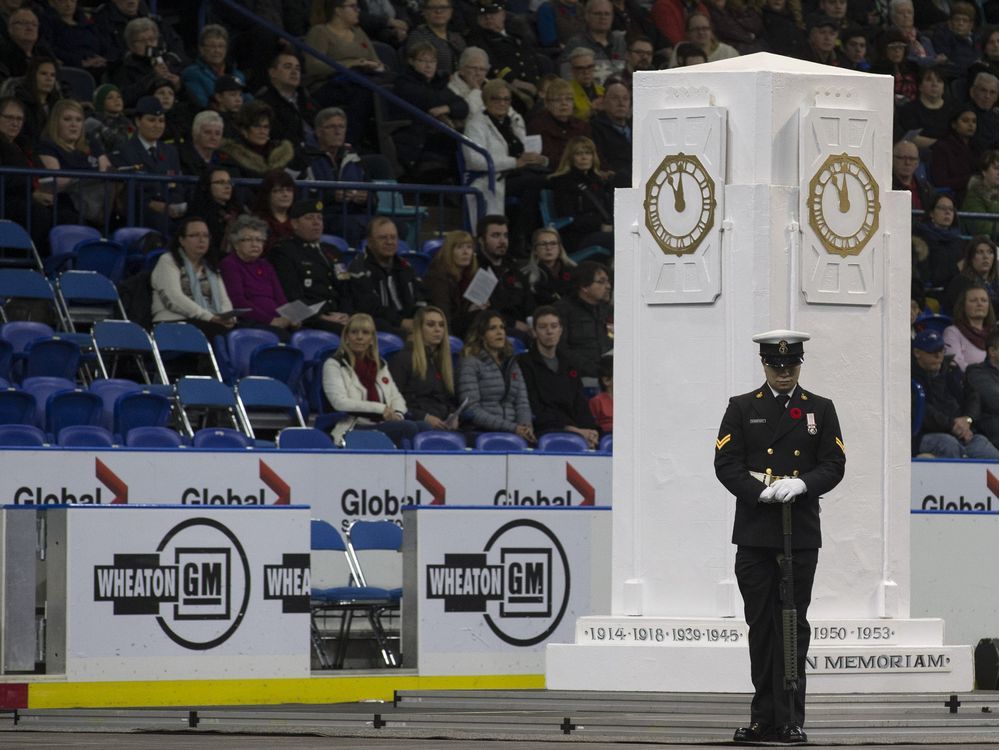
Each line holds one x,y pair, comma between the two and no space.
385,379
572,373
565,275
795,412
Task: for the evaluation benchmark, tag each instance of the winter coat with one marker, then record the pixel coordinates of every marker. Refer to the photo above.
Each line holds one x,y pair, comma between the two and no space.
497,397
344,391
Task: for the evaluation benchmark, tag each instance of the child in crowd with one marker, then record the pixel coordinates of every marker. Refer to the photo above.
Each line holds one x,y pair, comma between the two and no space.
602,406
108,124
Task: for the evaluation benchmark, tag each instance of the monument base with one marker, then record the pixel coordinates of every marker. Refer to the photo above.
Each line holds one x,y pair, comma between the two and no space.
668,654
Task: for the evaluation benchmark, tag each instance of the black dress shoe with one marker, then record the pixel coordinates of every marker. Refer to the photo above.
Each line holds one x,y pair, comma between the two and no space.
792,733
756,732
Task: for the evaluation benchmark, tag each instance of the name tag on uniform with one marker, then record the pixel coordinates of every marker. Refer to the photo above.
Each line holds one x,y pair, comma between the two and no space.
758,420
811,423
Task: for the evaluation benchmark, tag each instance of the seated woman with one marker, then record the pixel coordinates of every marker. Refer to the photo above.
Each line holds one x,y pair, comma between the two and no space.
981,196
953,157
251,281
490,379
556,123
252,150
549,268
937,261
698,29
73,37
38,91
973,318
423,371
979,266
450,272
584,192
201,150
342,39
19,198
186,284
200,77
138,70
272,202
357,381
928,113
65,146
214,202
468,80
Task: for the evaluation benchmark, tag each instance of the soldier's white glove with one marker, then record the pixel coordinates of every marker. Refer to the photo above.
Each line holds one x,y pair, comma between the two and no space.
767,496
787,489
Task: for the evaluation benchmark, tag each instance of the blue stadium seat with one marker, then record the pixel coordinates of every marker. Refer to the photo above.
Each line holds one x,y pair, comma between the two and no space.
154,437
368,440
179,339
21,436
221,438
41,388
562,442
606,445
439,440
304,438
16,248
76,407
109,389
240,344
500,442
140,409
84,436
17,407
388,344
52,357
64,237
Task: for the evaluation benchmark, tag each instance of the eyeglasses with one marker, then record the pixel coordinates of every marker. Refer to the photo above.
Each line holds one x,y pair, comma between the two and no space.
643,52
547,243
251,240
350,6
224,183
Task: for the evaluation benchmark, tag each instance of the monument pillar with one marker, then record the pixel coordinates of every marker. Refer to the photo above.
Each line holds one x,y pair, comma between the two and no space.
761,199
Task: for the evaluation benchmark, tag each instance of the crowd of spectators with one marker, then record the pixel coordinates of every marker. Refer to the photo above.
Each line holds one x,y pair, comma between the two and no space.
544,87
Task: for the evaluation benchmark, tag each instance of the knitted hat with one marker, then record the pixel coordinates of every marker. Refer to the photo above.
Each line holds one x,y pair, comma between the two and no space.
101,93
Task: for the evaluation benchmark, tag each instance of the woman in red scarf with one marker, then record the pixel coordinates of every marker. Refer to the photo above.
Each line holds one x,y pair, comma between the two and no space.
974,317
357,381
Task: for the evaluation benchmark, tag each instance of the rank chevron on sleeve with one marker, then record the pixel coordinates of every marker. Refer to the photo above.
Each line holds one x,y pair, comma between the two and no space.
721,442
840,443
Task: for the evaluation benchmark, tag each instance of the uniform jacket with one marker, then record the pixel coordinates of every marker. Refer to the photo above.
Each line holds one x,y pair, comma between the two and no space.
758,435
389,295
311,275
426,395
498,399
167,162
344,391
556,398
510,58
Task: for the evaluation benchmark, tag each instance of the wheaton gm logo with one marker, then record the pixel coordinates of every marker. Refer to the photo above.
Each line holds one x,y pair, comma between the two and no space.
520,582
197,583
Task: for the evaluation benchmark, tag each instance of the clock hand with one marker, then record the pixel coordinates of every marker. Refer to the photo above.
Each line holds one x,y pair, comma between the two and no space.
845,201
678,192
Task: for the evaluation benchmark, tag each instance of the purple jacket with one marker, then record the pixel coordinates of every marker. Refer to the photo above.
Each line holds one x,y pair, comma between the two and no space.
253,285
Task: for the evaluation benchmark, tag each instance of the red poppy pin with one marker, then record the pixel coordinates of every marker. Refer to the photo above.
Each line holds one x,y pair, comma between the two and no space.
572,373
513,376
386,380
795,412
565,275
511,280
437,376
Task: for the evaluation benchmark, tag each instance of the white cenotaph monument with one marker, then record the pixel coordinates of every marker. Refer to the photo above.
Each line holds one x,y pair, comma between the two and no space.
761,199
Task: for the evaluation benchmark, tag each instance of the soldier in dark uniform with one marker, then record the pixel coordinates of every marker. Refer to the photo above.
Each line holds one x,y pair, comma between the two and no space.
777,444
312,271
512,58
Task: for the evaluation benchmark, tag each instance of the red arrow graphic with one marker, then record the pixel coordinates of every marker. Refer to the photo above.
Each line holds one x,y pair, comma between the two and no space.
112,481
581,485
991,482
431,484
269,477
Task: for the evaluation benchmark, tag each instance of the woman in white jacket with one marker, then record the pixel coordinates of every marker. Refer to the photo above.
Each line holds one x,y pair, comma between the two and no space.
357,381
500,130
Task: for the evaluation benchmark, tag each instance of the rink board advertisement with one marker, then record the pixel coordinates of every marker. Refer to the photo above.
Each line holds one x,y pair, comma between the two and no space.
942,486
186,593
485,589
341,487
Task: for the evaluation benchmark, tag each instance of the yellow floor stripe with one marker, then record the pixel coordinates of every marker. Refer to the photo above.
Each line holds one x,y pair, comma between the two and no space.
339,689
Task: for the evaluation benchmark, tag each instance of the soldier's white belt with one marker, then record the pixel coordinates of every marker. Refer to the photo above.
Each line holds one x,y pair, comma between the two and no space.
767,479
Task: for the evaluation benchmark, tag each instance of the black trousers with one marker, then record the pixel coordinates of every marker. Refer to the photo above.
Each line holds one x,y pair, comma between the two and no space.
758,573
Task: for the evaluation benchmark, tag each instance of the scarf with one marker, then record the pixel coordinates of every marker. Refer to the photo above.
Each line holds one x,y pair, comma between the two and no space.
514,146
196,293
976,338
365,369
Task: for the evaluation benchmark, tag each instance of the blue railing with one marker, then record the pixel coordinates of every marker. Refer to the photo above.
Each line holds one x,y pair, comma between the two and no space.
127,196
364,82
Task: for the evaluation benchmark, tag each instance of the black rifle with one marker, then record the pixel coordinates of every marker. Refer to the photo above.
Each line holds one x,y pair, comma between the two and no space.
789,614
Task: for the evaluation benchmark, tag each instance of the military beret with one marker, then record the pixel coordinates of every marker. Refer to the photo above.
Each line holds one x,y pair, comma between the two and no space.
303,207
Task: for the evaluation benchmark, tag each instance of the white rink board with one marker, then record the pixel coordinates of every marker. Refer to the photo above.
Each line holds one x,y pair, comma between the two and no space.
486,589
187,593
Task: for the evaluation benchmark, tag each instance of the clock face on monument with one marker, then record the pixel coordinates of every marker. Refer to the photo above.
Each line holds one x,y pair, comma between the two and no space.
843,204
680,203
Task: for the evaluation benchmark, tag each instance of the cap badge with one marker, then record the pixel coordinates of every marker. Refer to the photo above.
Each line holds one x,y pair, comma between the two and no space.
782,347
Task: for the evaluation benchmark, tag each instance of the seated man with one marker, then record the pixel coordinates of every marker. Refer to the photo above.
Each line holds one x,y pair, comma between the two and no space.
162,202
608,46
512,296
611,130
587,316
554,388
947,430
382,284
294,109
311,271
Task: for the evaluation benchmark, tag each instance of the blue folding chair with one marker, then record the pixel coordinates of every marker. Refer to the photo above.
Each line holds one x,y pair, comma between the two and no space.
388,344
154,437
68,408
268,404
6,359
17,407
439,441
19,332
21,436
27,284
500,442
304,438
130,237
122,341
279,361
107,257
316,346
140,409
202,400
16,248
86,297
41,388
84,436
52,357
562,442
176,340
221,438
